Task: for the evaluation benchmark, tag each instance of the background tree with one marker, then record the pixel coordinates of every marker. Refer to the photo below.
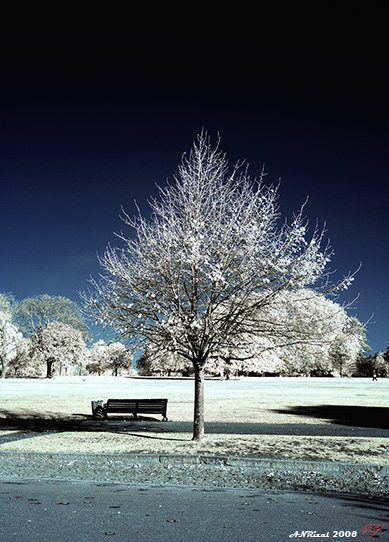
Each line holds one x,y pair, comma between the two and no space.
8,303
35,312
366,365
10,340
59,344
98,358
348,345
258,356
152,361
314,322
381,365
113,357
314,330
23,362
119,359
213,241
10,336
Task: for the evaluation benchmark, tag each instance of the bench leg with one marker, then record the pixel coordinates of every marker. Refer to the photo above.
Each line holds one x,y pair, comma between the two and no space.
98,413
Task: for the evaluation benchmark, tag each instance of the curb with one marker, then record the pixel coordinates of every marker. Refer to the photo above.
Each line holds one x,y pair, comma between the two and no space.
264,464
201,470
257,463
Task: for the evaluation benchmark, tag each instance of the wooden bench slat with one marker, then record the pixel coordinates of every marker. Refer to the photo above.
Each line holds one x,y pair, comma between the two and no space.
132,406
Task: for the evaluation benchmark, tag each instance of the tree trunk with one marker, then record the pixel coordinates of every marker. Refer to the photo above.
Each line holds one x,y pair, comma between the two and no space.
198,421
50,370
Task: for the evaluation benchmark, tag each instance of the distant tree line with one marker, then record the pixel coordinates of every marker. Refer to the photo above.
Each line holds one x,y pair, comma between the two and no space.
377,363
331,343
48,335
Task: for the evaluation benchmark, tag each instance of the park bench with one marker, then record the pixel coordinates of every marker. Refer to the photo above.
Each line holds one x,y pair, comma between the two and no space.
130,406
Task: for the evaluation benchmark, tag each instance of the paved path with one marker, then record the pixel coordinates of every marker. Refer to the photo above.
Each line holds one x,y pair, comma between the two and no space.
34,428
56,511
250,428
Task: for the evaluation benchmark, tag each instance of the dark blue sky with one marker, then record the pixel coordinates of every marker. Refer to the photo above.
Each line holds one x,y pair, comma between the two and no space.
82,134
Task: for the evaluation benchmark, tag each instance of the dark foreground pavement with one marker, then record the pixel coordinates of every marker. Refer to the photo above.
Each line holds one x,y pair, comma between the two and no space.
66,511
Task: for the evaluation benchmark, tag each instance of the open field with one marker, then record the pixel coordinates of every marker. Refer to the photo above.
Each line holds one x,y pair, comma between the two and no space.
294,418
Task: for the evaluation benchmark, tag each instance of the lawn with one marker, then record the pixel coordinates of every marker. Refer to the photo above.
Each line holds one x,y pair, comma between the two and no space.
291,418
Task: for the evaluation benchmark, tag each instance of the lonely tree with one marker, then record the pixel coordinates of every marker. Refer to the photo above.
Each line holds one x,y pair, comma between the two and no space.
193,277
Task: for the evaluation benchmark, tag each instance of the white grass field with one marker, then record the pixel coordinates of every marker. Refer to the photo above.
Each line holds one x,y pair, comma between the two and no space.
294,418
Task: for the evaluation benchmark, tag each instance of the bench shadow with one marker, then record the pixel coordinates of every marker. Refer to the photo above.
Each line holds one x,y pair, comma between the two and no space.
53,421
355,416
28,424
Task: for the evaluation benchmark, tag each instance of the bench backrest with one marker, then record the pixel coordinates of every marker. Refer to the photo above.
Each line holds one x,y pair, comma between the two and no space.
154,406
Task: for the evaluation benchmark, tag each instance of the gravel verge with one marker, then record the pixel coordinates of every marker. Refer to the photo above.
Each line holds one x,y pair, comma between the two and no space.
200,470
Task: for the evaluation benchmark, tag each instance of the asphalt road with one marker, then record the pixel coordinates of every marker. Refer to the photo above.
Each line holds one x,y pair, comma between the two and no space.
58,511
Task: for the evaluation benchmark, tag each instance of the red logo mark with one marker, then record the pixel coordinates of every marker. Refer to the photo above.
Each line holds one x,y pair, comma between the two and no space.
372,528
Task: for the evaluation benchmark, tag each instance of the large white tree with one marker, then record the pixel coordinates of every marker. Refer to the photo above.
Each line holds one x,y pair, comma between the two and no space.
213,240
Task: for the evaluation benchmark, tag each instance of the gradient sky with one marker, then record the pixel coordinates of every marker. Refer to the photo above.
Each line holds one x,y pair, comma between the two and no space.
82,135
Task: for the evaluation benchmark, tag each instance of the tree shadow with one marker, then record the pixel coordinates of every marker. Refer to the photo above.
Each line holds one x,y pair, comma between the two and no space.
355,416
344,422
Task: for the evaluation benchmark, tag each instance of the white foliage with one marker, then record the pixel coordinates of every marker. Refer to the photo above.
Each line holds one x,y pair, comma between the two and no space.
10,339
162,362
347,346
60,342
112,356
317,328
